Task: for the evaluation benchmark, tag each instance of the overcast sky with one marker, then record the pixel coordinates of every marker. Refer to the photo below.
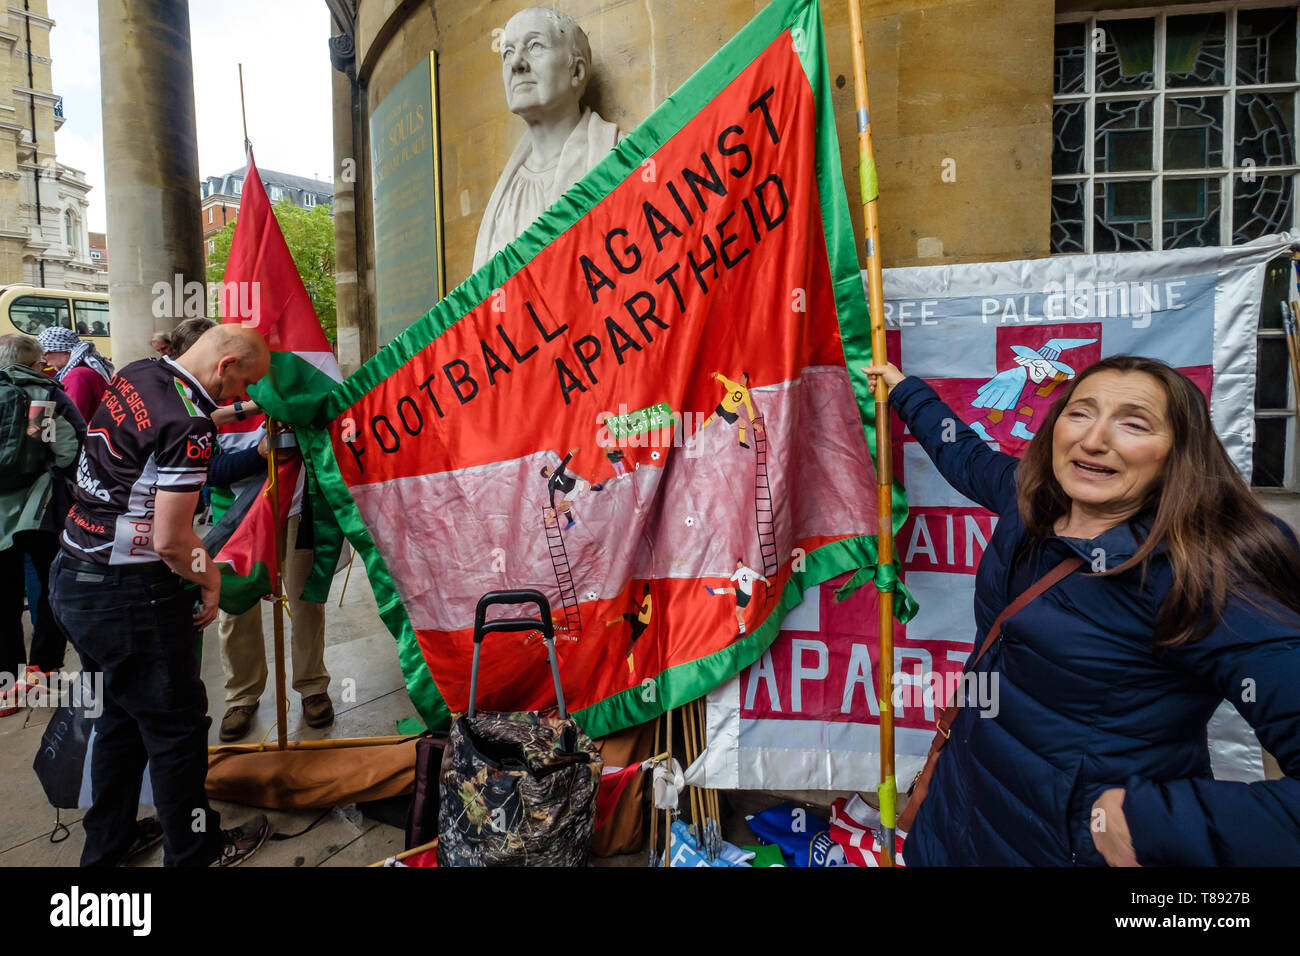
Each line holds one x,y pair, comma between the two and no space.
283,46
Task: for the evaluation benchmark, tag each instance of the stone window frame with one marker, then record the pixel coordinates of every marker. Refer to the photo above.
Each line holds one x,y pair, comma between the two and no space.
1228,174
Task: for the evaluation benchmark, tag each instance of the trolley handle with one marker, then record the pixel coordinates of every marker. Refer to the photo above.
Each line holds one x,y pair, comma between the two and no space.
483,627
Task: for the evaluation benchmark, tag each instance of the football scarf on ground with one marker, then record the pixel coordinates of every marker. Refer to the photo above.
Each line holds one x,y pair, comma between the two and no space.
642,407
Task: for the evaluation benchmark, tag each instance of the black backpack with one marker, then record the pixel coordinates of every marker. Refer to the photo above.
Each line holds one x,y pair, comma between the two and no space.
23,457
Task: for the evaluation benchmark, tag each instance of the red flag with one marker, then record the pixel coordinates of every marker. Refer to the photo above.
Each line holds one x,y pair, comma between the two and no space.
263,290
243,540
612,784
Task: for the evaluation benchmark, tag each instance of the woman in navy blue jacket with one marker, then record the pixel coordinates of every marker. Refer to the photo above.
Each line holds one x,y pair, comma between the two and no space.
1189,595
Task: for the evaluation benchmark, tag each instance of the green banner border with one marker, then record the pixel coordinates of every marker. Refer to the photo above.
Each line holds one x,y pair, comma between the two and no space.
685,682
419,681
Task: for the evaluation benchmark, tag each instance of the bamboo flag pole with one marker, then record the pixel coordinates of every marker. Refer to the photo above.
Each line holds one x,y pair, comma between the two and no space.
654,811
325,743
277,580
888,789
242,114
347,577
668,813
709,839
697,795
273,492
710,794
411,852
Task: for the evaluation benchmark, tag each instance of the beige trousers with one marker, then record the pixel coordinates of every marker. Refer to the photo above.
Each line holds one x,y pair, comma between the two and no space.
243,647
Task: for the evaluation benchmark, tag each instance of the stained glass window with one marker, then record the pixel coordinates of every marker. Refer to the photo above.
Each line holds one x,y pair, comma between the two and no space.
1126,58
1194,132
1123,135
1264,129
1122,215
1191,212
1266,46
1071,58
1194,50
1203,101
1067,217
1178,129
1261,206
1069,128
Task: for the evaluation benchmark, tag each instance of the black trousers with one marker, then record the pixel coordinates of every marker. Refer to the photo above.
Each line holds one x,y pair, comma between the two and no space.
48,643
135,623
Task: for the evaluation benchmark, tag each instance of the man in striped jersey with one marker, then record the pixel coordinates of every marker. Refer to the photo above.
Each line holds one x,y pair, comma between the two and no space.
133,583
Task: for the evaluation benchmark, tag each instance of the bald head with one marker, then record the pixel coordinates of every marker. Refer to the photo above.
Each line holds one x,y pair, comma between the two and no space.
226,359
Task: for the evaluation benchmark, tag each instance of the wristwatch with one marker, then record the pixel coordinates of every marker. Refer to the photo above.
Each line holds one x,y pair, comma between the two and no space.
239,411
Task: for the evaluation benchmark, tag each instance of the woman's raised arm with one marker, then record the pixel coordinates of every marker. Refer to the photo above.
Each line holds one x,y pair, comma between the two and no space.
966,462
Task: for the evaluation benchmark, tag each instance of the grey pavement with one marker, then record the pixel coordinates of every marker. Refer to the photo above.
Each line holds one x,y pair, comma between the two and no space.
369,697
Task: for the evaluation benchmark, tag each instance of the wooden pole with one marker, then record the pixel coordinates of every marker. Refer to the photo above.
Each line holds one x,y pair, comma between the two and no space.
273,492
411,852
668,813
242,114
710,795
888,789
705,834
347,577
332,743
697,805
654,812
277,591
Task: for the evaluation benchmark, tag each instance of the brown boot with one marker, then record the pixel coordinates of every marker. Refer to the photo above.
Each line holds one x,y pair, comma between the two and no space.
317,710
236,722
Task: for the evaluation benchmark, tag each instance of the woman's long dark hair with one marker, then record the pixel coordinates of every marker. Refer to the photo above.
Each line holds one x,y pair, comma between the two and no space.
1219,540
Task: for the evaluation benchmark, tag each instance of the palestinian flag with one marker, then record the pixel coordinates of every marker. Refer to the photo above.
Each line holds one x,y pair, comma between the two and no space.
262,289
647,407
243,538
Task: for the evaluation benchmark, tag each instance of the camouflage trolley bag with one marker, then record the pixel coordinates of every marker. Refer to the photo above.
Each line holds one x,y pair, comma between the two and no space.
517,789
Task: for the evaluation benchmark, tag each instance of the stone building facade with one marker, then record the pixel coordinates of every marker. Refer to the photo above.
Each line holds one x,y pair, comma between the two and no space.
937,93
219,197
970,119
44,239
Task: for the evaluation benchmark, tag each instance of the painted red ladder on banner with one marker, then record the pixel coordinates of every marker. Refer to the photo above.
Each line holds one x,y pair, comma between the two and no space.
764,516
570,627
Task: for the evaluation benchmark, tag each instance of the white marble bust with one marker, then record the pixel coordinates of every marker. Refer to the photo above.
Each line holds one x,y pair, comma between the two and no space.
545,63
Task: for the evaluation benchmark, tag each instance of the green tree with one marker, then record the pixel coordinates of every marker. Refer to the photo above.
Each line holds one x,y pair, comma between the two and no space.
309,234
